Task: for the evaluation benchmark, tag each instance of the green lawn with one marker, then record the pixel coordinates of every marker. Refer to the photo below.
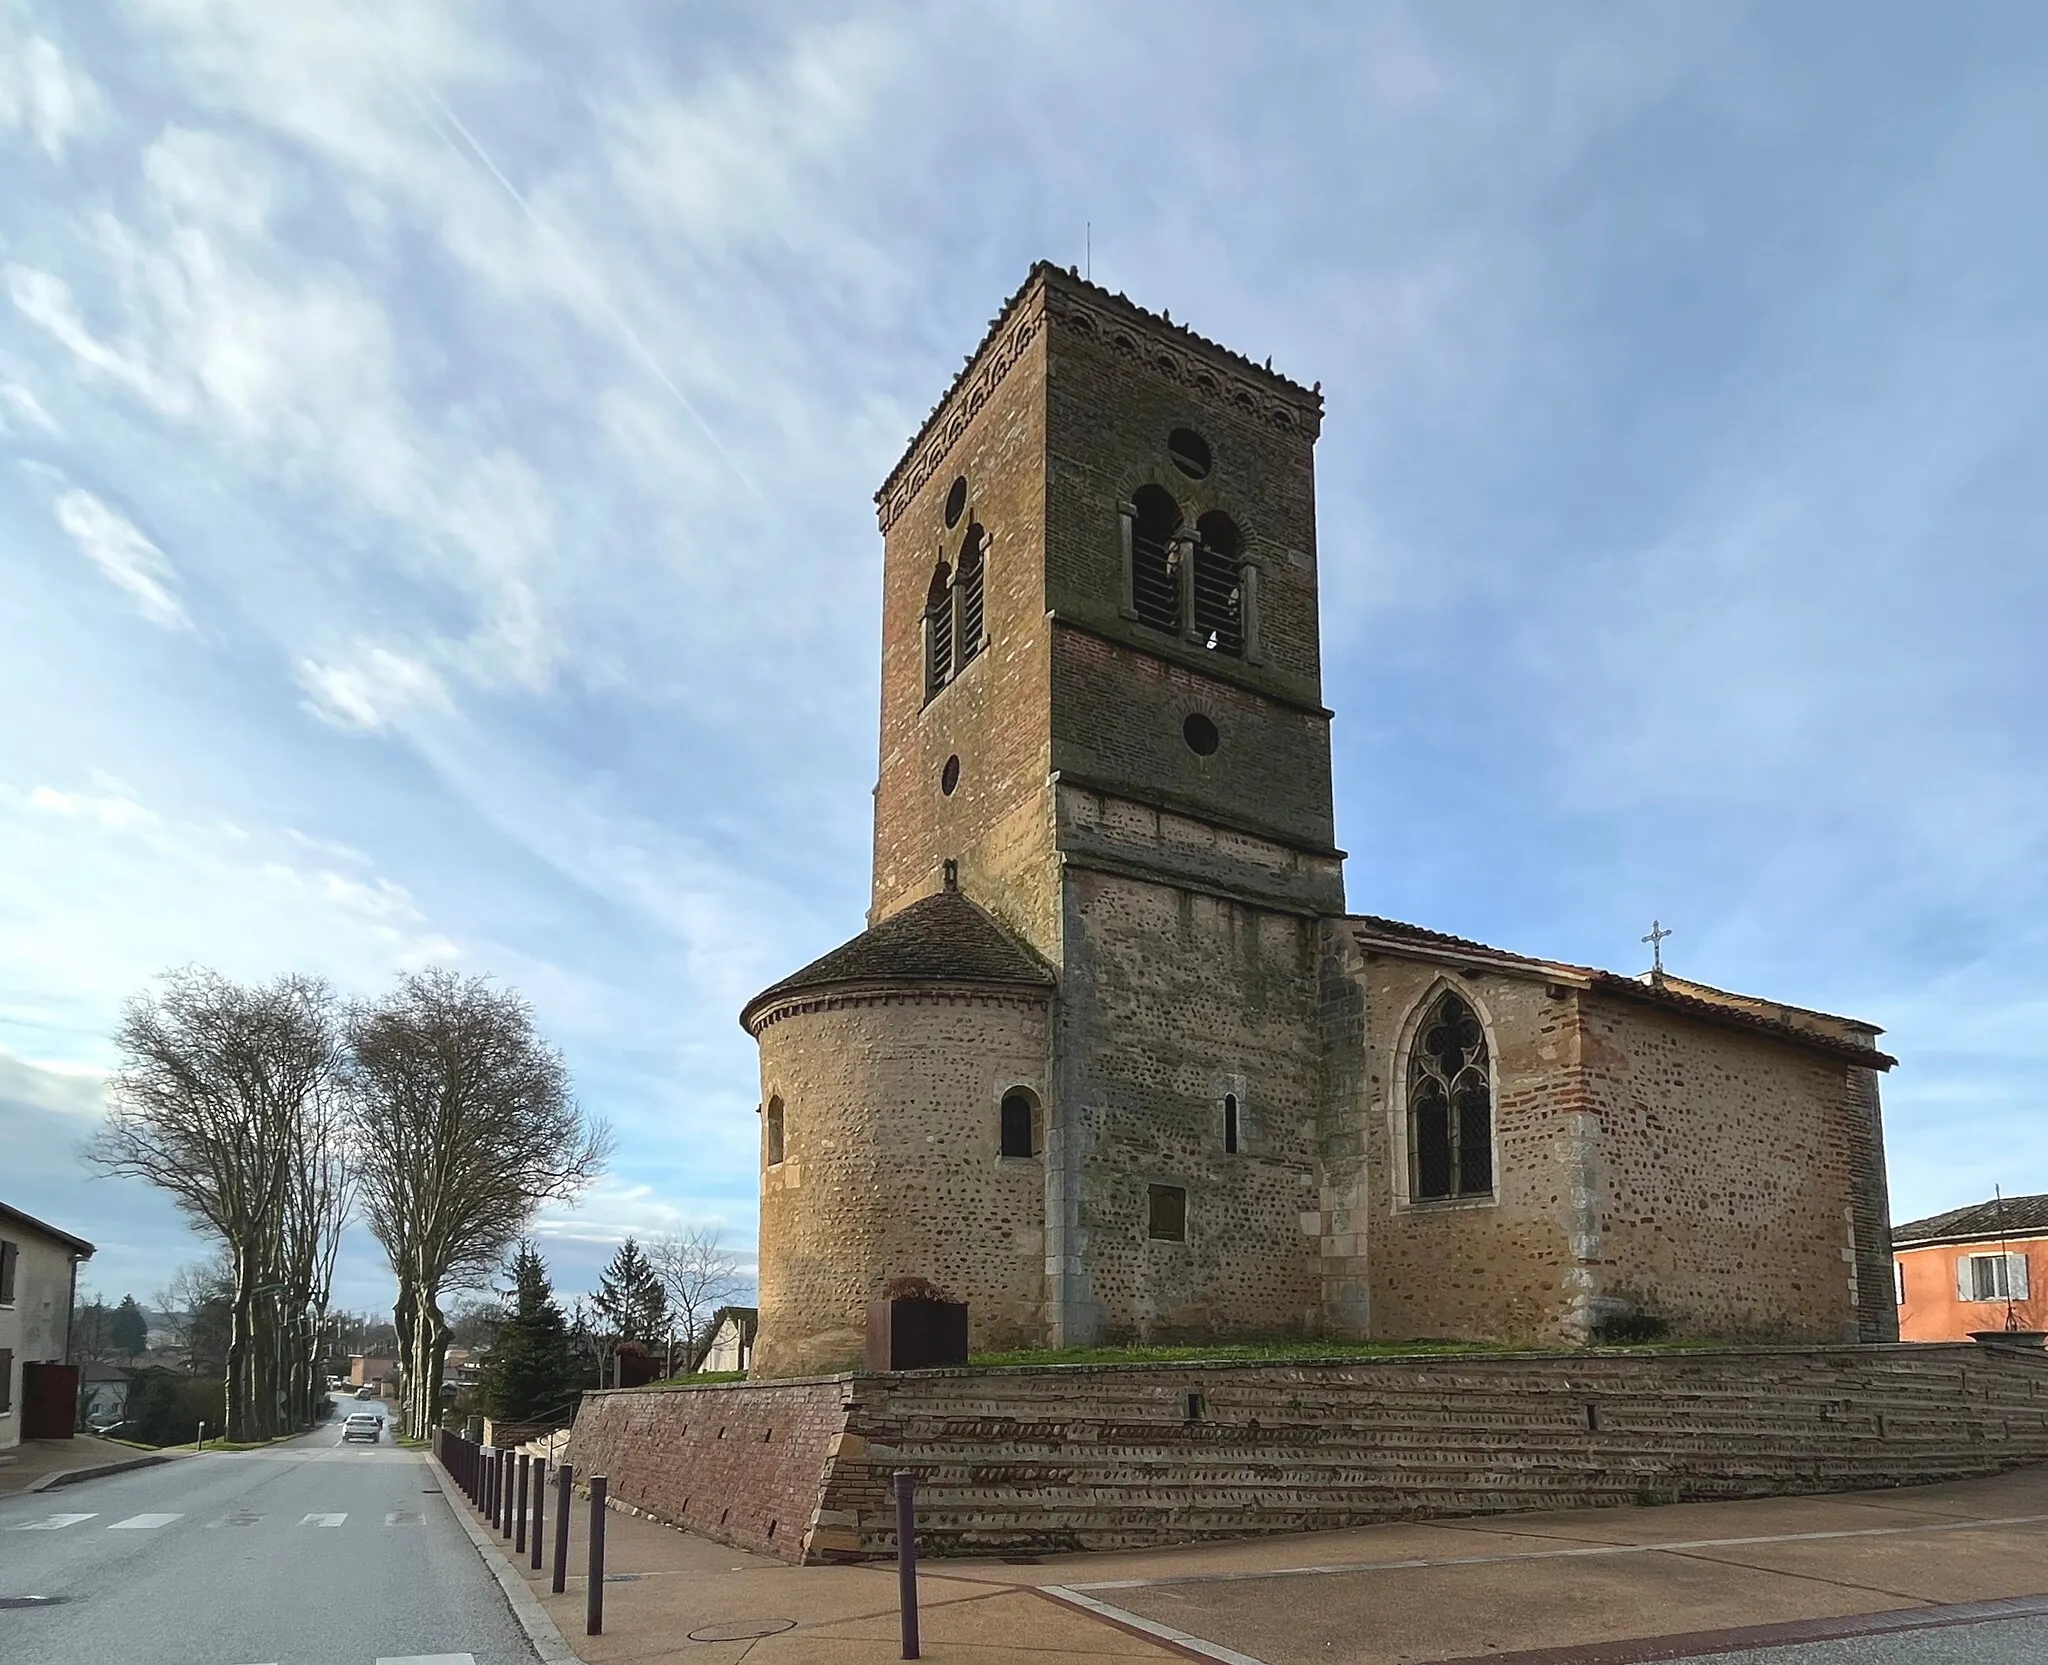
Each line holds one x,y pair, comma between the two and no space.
708,1378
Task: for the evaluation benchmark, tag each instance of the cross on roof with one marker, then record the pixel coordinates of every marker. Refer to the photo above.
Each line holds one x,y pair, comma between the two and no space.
1656,941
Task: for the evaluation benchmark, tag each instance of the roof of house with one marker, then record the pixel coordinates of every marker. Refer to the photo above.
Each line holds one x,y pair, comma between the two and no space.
942,938
1975,1222
77,1245
1696,1000
98,1371
748,1319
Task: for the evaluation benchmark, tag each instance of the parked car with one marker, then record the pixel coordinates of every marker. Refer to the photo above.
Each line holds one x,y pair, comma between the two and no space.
366,1393
104,1425
363,1425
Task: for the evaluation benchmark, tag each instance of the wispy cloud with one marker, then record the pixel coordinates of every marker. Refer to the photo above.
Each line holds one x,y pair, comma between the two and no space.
118,548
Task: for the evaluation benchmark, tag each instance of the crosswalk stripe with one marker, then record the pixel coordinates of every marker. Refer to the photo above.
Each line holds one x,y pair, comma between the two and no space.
52,1523
403,1517
323,1520
142,1523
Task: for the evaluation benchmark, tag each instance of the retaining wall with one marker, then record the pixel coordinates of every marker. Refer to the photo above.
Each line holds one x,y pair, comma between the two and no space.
1092,1457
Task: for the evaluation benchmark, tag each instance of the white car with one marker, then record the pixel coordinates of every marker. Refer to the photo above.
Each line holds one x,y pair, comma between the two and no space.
364,1425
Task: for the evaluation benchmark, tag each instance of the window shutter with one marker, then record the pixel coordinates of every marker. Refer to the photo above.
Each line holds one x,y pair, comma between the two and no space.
8,1253
7,1375
2016,1275
1965,1290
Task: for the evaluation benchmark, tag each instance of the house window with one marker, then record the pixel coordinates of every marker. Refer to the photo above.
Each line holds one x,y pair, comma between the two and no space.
772,1131
9,1254
1219,587
1999,1277
1230,1124
1450,1105
1155,559
1898,1283
1019,1118
1166,1213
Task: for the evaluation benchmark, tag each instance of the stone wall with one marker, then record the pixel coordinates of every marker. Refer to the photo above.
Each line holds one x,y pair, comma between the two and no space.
893,1167
1127,1456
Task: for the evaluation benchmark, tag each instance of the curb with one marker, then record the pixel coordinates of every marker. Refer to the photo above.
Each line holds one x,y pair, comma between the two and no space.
72,1476
526,1608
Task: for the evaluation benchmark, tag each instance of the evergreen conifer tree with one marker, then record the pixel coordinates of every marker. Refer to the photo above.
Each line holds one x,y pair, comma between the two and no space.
630,1299
128,1330
531,1372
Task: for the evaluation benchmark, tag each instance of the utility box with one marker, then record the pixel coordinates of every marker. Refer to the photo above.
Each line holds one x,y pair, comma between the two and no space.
916,1332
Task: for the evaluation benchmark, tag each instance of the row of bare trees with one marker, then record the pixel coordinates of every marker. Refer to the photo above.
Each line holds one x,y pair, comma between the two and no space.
271,1113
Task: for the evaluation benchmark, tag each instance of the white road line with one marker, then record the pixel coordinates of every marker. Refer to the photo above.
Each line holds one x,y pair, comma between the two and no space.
323,1520
403,1517
1150,1627
431,1659
142,1523
52,1523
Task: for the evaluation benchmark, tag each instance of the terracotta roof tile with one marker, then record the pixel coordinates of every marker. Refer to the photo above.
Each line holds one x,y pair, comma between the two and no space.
943,938
2012,1216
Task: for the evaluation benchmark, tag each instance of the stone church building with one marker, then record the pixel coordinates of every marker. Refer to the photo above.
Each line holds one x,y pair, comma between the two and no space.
1113,1062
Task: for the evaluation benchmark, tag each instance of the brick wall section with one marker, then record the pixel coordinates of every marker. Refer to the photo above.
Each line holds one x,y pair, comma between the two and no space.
893,1167
1114,1457
745,1464
1877,1312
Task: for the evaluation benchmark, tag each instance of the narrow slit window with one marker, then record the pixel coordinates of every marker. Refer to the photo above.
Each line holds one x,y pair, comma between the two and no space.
1230,1124
772,1131
1450,1105
1020,1135
1155,559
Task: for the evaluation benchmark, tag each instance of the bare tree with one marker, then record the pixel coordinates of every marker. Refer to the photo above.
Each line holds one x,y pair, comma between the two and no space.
700,1274
475,1127
222,1089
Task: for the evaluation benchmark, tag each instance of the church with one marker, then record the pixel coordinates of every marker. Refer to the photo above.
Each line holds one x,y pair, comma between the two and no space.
1112,1062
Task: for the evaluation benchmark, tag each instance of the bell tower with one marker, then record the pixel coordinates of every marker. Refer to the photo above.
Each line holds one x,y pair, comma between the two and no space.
1102,700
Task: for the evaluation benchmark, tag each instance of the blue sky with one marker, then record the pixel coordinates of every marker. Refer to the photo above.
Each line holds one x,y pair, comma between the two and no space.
436,525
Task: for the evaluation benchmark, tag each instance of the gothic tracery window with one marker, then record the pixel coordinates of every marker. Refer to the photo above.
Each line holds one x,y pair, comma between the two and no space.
955,612
1450,1104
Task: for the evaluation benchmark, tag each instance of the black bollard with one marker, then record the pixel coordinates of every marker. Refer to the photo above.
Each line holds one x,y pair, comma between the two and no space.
906,1557
565,1476
540,1495
593,1598
511,1511
519,1505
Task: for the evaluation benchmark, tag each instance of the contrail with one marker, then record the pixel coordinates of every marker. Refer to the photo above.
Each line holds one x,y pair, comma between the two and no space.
604,300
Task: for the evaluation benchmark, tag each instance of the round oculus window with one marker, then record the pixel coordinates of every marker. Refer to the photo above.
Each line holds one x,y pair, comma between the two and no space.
956,502
1200,734
1190,453
949,777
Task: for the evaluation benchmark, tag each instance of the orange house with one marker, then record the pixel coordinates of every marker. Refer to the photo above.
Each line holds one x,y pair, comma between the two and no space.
1969,1268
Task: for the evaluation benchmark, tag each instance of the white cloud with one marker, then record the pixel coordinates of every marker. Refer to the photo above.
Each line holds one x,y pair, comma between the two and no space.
21,412
65,1088
40,94
118,548
373,689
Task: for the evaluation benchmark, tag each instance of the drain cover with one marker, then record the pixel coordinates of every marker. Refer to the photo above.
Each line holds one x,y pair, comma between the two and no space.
29,1601
743,1631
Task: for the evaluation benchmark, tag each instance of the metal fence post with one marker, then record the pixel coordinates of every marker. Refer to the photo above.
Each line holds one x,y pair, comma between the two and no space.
540,1507
513,1496
593,1597
565,1477
519,1506
906,1557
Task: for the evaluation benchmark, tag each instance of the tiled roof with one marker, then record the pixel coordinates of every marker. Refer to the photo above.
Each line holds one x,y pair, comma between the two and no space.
1638,989
943,938
77,1245
2012,1216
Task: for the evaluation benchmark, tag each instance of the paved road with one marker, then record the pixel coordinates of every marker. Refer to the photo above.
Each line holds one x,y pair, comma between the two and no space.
1995,1642
311,1553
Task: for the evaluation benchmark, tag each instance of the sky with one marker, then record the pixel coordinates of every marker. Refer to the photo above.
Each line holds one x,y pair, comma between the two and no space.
437,447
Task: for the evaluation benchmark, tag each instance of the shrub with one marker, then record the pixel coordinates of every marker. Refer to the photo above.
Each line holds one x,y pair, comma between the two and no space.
165,1408
1623,1329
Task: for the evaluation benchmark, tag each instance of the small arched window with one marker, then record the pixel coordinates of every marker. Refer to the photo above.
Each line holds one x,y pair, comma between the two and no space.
771,1131
1219,584
1155,559
1230,1126
1019,1123
938,630
1450,1104
968,572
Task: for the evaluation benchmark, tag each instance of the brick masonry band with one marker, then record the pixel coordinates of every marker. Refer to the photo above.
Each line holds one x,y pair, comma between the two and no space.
1088,1457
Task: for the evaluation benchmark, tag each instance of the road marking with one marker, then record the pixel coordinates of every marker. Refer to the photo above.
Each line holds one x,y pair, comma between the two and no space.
323,1520
431,1659
241,1517
52,1523
142,1523
403,1517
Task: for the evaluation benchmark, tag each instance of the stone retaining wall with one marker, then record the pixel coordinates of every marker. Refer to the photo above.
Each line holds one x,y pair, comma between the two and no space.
1122,1456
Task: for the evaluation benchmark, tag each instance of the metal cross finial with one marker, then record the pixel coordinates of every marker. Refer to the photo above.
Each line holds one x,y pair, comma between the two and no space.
1656,941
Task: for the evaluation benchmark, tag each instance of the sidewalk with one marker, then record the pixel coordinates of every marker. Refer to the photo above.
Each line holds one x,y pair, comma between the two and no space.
1495,1588
40,1464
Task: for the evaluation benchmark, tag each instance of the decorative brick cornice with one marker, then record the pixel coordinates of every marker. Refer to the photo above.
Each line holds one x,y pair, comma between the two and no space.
1050,294
1024,995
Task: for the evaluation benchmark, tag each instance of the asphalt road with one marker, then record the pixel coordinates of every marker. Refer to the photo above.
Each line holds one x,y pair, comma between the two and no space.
309,1553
